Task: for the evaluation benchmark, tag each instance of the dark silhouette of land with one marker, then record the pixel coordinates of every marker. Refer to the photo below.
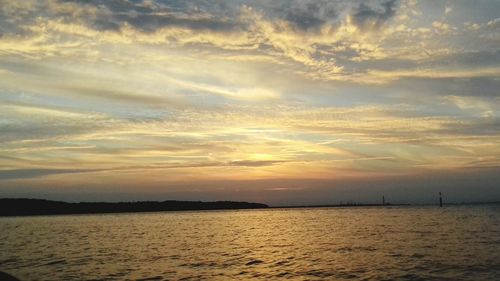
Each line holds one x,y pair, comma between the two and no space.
33,207
29,207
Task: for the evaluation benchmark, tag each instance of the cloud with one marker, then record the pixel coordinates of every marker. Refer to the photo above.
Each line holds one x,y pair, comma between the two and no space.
15,174
448,10
29,173
149,16
28,122
429,87
373,14
441,26
494,23
304,15
250,163
161,91
321,40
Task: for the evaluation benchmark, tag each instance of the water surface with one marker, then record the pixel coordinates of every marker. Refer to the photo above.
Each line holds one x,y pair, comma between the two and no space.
398,243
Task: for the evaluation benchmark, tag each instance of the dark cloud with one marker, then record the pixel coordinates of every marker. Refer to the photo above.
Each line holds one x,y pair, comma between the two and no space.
480,127
218,15
304,14
373,15
466,60
476,86
13,20
37,130
308,15
236,163
151,22
116,95
33,173
150,16
215,15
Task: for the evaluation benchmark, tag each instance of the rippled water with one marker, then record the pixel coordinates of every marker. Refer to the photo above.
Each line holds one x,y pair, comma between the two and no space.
399,243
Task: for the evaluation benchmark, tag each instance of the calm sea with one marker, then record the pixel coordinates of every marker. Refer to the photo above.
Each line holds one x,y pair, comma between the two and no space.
398,243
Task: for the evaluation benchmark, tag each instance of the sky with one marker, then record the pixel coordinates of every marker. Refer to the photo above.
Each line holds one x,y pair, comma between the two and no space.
280,102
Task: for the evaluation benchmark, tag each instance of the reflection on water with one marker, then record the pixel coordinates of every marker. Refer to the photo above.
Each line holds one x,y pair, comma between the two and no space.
399,243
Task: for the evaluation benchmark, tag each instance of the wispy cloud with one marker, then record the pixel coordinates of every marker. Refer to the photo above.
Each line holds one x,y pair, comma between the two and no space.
33,173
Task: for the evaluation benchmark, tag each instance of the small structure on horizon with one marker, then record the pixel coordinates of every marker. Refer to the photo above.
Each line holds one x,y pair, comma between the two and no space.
440,200
383,200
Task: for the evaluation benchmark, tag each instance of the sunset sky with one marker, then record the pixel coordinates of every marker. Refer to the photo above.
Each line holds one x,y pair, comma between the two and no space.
280,102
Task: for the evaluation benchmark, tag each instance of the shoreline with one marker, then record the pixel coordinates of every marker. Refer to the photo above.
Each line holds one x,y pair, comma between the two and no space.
10,207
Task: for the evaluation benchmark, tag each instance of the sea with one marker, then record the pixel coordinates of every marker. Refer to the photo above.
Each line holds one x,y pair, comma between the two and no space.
352,243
